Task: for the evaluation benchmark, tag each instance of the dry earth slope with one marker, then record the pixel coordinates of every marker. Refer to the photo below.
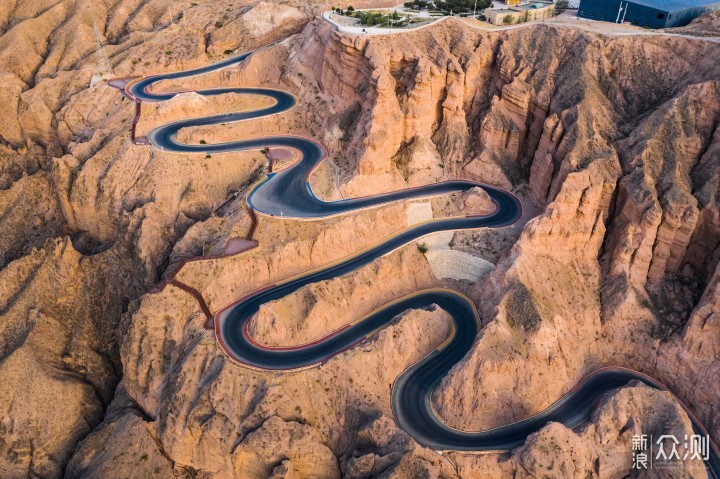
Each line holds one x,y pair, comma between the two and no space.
616,150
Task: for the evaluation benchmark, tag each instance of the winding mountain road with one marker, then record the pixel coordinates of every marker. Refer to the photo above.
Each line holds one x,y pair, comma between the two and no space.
288,194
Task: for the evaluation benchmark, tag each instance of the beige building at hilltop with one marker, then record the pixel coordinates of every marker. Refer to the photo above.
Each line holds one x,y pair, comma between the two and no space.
520,13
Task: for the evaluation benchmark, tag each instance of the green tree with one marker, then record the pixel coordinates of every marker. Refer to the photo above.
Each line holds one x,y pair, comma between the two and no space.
560,6
371,18
483,5
350,8
507,19
456,6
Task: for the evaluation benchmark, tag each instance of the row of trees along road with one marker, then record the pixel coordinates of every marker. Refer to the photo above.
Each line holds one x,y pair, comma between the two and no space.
454,6
446,6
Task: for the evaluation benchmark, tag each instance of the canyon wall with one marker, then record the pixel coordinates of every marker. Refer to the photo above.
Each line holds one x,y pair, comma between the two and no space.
615,141
627,176
89,220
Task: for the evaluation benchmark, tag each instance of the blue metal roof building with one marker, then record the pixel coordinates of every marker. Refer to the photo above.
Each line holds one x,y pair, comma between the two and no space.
647,13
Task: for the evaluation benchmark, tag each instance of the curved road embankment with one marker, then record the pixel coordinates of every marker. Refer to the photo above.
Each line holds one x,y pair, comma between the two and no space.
287,193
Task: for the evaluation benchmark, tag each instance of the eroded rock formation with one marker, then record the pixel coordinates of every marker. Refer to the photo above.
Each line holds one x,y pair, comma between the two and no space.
617,152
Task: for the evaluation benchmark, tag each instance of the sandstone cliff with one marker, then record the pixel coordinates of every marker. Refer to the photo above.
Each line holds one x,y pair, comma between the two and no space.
89,220
614,152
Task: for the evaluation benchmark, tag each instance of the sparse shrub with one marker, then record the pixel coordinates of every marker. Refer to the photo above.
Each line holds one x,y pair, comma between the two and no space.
422,247
522,308
417,4
560,6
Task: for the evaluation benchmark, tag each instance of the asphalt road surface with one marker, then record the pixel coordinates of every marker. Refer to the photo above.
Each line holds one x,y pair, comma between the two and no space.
288,194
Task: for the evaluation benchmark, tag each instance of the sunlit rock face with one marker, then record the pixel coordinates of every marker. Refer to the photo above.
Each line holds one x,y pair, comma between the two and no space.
614,154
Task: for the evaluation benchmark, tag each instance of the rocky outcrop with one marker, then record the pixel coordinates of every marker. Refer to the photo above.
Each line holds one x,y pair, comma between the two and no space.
57,343
694,354
620,267
320,308
600,448
604,447
476,202
261,23
259,420
526,303
29,214
704,25
286,249
123,445
659,189
88,219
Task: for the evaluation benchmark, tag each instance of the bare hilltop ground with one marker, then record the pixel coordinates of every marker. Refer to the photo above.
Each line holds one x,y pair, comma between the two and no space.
612,142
